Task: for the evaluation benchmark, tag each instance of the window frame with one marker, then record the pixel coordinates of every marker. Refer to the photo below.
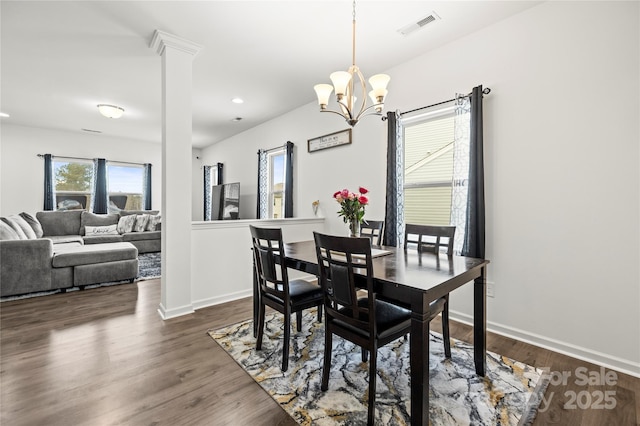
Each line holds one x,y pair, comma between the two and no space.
271,193
56,161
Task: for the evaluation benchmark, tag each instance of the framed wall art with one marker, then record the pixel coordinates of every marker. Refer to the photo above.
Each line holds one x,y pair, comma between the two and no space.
343,137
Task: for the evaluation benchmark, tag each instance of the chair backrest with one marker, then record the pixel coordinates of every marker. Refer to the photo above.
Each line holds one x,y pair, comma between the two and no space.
429,238
338,257
373,230
267,247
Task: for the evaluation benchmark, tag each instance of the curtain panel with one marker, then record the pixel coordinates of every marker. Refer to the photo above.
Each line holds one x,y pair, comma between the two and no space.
100,195
394,205
262,194
146,190
49,188
288,183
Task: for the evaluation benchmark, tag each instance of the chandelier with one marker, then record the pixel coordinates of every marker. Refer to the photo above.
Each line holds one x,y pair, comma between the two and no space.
344,83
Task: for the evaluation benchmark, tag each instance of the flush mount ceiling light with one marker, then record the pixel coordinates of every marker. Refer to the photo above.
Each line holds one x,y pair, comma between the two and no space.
237,101
4,114
345,87
110,111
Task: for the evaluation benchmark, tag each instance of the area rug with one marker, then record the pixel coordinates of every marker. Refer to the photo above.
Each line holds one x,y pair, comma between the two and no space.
149,266
509,394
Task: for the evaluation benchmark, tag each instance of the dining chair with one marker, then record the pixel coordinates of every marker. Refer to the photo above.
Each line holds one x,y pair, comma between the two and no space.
364,321
276,290
430,238
373,230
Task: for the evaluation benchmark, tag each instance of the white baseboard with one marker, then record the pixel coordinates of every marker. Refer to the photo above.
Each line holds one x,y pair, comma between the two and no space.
175,312
606,360
203,303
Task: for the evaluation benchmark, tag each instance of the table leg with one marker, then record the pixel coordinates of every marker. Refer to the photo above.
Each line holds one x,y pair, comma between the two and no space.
480,322
419,360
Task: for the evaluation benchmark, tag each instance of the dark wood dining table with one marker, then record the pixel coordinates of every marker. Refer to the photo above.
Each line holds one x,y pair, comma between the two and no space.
414,280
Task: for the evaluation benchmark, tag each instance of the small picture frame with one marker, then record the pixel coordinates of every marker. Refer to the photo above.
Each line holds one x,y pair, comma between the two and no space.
343,137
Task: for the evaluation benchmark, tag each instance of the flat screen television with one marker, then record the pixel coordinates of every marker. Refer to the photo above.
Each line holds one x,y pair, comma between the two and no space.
225,201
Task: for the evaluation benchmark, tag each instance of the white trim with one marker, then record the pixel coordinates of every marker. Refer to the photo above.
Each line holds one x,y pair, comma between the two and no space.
243,223
199,304
175,312
163,39
609,361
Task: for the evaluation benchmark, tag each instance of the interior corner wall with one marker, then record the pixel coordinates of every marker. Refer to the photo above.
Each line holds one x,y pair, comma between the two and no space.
22,171
562,169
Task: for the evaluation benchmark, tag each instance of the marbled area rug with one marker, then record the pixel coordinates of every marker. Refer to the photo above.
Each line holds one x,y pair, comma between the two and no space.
149,266
508,395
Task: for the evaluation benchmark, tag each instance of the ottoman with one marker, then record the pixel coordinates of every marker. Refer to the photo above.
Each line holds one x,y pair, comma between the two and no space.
98,263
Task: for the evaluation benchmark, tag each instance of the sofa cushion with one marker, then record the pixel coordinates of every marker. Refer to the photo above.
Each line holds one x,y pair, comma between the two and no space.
66,239
93,231
136,212
94,253
7,232
60,222
26,228
92,219
99,239
16,228
126,224
154,221
141,222
139,236
33,222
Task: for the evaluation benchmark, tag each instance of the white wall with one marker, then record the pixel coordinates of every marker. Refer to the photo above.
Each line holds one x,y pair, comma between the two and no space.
22,171
561,157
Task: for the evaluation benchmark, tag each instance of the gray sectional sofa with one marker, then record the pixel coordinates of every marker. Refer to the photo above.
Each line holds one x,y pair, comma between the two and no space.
62,249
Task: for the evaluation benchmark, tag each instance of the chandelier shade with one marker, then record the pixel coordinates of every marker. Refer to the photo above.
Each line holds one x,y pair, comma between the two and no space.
345,87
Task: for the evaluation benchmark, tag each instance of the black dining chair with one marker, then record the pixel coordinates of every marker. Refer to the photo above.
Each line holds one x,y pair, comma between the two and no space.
276,290
373,230
365,321
431,238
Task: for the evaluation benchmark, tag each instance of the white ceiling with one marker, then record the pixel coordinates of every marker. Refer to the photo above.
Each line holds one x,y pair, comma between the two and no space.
59,59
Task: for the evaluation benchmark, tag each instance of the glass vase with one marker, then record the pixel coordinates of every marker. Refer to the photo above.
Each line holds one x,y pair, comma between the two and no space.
354,227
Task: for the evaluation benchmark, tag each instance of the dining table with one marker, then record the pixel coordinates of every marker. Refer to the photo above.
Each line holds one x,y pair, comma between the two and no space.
414,279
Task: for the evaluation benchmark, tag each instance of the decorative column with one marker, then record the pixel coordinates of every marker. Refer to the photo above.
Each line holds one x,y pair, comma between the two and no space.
177,57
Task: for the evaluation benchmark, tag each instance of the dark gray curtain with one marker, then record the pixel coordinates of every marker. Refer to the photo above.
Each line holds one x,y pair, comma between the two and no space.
474,242
219,174
146,191
100,202
394,197
288,183
49,195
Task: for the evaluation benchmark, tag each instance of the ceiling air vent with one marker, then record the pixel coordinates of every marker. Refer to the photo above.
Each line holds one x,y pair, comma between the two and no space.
419,24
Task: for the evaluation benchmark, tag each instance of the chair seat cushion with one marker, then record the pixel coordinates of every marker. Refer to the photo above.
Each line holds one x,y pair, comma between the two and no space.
390,318
300,291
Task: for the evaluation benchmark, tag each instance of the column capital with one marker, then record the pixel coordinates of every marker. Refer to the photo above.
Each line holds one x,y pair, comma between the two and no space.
162,39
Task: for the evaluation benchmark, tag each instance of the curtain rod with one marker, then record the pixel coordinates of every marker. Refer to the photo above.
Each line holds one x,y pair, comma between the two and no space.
91,159
485,91
274,149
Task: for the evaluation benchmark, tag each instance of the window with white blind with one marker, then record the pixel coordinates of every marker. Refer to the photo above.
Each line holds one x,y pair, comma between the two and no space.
428,168
276,161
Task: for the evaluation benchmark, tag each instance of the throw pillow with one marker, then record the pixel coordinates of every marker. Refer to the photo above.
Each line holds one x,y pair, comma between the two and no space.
7,232
34,223
141,222
93,219
125,224
26,228
15,227
154,220
101,230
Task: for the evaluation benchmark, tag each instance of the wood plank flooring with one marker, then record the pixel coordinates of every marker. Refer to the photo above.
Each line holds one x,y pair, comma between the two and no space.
104,357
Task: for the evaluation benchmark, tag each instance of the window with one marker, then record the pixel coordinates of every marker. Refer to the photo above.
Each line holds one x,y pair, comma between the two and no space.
125,185
276,171
428,168
73,184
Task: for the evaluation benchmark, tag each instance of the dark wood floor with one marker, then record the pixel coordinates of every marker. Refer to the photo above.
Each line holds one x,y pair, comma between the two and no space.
104,357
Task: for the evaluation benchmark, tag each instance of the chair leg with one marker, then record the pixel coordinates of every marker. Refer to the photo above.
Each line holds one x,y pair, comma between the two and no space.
373,373
326,366
445,328
320,313
299,321
261,314
287,338
364,355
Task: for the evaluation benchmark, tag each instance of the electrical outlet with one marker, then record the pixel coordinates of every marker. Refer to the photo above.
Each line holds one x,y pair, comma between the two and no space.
490,289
